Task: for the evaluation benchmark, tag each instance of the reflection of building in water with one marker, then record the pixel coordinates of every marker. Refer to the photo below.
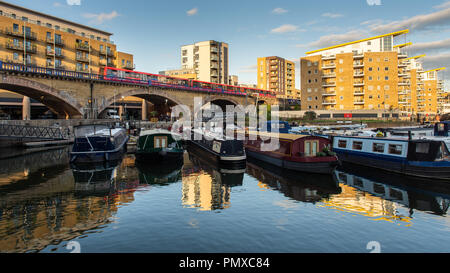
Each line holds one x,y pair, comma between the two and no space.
36,213
204,191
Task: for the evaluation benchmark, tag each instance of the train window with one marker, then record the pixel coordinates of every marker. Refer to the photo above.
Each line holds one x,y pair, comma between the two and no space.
378,147
342,144
395,149
357,145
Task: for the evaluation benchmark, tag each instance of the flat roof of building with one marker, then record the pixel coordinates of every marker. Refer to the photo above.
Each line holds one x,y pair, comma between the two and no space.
53,17
397,33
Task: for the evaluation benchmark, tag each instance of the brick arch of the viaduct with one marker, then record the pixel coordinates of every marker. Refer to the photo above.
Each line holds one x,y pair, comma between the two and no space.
146,93
58,101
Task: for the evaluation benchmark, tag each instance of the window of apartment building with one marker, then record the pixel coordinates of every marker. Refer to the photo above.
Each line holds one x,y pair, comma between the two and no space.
341,61
370,68
57,62
315,80
99,39
369,43
316,98
309,90
316,89
316,71
1,12
341,88
185,60
370,97
13,16
83,34
309,72
58,38
341,70
341,98
57,28
309,63
25,19
309,81
386,68
15,56
386,59
49,36
370,78
15,27
49,25
38,22
370,87
387,87
184,52
92,37
386,78
370,59
309,98
123,62
58,51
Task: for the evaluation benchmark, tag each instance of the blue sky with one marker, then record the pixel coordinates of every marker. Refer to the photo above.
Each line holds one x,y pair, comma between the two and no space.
154,30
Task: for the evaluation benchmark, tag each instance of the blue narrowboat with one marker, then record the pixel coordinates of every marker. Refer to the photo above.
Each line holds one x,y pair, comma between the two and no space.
98,143
423,158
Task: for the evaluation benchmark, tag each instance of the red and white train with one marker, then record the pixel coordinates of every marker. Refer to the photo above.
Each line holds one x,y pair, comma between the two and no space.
118,74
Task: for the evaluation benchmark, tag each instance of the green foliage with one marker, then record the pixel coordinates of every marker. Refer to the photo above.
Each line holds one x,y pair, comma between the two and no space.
310,115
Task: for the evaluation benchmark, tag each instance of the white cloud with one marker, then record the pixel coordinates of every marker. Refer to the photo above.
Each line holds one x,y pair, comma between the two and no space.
285,28
444,5
74,2
279,11
101,17
330,40
420,22
433,46
436,61
57,4
332,15
249,69
192,12
373,2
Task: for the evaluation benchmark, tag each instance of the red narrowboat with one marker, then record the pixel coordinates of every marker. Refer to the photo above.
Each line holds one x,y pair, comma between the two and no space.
303,153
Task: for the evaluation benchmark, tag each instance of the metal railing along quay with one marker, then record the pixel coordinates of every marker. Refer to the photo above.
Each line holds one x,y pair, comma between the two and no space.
33,132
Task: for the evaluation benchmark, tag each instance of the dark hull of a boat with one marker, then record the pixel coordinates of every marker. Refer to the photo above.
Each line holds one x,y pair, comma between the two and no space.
97,157
396,166
308,167
221,161
160,157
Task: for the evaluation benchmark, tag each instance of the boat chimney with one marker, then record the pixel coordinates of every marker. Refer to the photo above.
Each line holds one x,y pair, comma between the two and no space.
409,135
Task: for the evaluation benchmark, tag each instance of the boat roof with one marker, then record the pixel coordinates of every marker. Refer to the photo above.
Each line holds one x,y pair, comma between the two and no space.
154,132
292,137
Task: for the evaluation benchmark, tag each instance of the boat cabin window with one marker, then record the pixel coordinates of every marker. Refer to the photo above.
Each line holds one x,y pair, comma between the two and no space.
311,148
378,147
357,145
422,148
395,149
342,144
161,142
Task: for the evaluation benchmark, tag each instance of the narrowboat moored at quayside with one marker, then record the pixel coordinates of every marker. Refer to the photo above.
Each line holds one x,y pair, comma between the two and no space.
159,145
414,157
303,153
98,143
226,153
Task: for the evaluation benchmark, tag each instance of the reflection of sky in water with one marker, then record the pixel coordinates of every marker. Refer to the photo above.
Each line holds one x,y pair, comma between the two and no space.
44,205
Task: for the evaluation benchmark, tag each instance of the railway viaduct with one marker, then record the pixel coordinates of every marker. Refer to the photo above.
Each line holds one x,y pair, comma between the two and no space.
73,95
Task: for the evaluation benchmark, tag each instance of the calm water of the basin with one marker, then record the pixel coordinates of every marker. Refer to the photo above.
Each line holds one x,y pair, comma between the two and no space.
45,203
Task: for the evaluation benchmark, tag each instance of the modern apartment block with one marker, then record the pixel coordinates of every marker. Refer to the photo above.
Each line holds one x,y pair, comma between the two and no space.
36,39
278,75
363,74
434,96
209,59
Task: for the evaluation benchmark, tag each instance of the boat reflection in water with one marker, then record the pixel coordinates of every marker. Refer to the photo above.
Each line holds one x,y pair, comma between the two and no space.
206,186
379,195
304,187
159,174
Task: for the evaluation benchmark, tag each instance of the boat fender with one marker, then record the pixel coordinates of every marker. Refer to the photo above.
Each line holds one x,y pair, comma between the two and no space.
73,158
106,156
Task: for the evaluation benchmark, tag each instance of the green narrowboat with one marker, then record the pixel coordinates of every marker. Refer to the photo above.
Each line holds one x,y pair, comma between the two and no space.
159,145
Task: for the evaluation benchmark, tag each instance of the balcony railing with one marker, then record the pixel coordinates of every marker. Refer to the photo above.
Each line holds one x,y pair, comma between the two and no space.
329,75
328,84
358,83
58,42
83,47
358,64
358,93
19,46
328,94
358,74
358,102
329,57
404,83
358,55
82,69
329,102
329,65
17,33
82,59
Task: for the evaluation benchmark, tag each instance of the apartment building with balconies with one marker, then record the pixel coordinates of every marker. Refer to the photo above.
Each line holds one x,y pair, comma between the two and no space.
209,59
434,95
359,75
278,75
33,38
